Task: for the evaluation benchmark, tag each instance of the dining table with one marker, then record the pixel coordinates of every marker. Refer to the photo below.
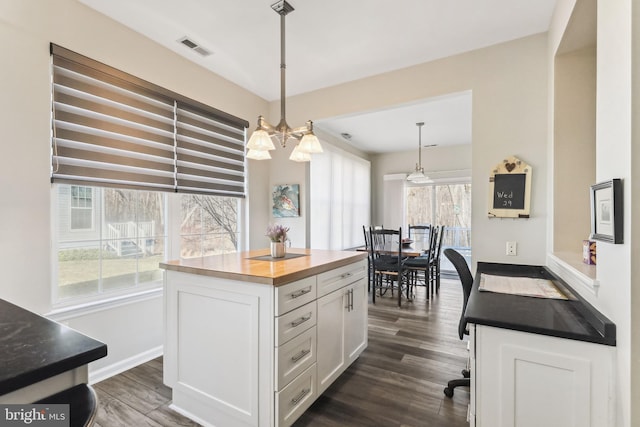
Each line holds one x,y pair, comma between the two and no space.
410,249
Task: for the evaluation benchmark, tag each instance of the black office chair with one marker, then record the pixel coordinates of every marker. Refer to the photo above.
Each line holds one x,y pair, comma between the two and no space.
466,279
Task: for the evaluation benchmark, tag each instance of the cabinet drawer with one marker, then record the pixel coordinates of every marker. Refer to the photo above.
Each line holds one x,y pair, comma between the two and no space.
295,294
294,357
294,322
330,281
296,398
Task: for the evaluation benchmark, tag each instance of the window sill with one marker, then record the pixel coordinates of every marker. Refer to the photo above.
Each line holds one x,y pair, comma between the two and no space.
62,313
570,268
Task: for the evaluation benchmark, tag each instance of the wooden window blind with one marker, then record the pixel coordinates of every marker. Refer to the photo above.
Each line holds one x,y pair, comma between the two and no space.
113,129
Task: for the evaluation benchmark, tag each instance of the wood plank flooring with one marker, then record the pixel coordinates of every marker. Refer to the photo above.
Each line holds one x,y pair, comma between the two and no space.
398,380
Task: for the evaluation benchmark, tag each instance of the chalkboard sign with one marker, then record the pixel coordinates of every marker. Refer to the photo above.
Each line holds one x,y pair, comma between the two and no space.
508,191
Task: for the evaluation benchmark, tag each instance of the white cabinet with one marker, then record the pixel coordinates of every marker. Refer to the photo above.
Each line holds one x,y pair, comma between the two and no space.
521,379
342,329
250,355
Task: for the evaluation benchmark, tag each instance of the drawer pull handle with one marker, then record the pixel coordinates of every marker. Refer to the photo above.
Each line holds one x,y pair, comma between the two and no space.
300,293
300,321
301,396
345,275
300,355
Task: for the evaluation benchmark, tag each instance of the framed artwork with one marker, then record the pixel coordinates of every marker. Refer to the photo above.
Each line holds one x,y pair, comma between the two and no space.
606,211
286,200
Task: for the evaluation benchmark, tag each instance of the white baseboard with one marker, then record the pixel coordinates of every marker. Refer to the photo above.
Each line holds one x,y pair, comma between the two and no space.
98,375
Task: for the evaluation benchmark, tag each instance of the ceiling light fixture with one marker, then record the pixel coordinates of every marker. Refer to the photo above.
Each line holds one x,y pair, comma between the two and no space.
261,141
418,176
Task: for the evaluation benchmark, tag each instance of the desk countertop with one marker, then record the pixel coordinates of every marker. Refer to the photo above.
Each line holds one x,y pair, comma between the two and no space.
33,348
572,319
258,267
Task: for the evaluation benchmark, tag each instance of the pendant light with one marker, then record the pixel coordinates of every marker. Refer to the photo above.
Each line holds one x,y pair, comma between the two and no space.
418,176
261,141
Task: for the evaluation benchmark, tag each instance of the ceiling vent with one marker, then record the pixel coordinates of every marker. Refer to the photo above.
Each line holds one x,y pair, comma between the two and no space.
194,46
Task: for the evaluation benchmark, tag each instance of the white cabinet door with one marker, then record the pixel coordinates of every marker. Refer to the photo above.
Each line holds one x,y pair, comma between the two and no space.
332,310
356,320
342,331
531,380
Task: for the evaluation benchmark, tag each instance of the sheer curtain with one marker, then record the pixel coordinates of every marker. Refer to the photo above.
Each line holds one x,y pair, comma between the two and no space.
340,198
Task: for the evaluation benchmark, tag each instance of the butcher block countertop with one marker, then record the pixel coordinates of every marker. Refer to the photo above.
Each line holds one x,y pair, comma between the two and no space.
258,266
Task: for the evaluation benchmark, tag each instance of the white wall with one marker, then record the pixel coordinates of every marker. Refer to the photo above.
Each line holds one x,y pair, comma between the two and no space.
26,28
613,160
618,273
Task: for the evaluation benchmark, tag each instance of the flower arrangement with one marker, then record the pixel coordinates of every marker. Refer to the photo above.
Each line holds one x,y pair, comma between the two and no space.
277,233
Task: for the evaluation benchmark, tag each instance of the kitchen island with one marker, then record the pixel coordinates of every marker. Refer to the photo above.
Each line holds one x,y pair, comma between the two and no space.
253,341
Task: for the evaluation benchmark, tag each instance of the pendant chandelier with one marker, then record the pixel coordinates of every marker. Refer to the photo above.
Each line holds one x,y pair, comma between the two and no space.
418,176
261,141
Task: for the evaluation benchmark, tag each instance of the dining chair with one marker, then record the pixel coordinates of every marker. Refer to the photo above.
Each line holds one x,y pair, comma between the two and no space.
420,264
388,262
434,260
466,280
420,233
367,244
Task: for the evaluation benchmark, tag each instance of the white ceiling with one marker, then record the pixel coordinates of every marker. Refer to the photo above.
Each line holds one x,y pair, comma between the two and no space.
334,41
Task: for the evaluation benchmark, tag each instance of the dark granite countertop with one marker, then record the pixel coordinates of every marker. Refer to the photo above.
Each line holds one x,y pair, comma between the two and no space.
33,348
573,319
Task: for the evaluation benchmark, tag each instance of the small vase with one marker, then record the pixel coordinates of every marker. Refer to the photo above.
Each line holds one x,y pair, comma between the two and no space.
277,250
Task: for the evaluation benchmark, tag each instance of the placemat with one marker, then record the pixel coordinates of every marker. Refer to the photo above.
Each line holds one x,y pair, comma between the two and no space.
270,258
524,286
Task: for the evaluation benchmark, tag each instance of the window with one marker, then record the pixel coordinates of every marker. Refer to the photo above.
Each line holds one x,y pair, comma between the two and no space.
121,252
340,190
443,204
120,148
81,208
209,225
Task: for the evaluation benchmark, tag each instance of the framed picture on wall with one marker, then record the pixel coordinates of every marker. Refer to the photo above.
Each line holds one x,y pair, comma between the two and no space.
606,211
286,200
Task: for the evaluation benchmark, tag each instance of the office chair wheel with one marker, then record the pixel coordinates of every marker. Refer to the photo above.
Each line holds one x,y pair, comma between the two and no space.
448,392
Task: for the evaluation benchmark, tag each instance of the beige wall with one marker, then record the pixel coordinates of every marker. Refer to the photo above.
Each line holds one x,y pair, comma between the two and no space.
509,89
574,148
26,29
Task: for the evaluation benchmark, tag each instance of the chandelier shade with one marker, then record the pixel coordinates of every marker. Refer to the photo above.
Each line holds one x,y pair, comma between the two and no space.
263,138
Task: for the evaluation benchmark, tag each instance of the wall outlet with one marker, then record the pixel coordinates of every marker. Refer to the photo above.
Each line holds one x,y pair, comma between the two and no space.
512,248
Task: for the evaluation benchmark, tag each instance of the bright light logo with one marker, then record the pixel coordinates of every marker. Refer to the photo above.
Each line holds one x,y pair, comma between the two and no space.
34,415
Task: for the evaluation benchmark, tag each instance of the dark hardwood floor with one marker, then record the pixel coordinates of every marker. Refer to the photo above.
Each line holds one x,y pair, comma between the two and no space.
398,380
